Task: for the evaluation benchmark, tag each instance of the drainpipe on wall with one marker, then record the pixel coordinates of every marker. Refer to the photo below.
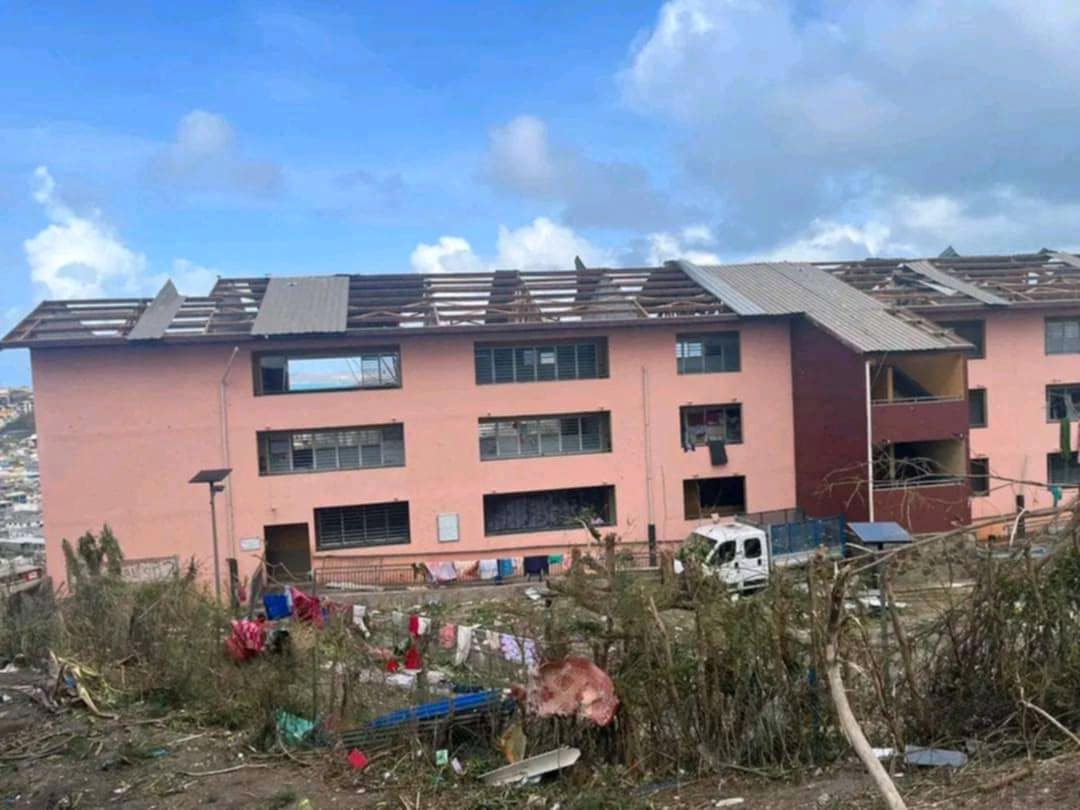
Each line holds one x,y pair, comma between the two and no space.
869,447
223,419
648,466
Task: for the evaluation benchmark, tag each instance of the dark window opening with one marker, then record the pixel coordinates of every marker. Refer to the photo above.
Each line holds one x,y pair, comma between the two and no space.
928,463
704,497
701,424
725,553
1063,470
979,475
1063,402
374,524
305,372
752,548
977,407
546,510
974,332
583,360
708,353
337,449
1063,335
559,435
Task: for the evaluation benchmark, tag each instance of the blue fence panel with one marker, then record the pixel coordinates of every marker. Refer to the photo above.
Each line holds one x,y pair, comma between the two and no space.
806,536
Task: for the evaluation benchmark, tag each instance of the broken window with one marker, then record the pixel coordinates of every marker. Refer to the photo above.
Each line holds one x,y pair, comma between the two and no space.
977,407
974,332
708,353
337,449
544,510
704,497
296,373
979,475
1063,402
1063,335
701,424
1063,470
558,435
581,360
927,463
373,524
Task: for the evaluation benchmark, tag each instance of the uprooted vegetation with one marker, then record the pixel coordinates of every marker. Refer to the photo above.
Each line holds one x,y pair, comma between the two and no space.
971,651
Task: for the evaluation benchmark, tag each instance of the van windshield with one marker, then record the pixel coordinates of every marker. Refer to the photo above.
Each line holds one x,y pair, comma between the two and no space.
725,553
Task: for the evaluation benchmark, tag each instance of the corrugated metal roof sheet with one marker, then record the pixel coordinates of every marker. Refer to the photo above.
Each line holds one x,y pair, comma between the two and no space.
155,319
927,270
303,305
856,319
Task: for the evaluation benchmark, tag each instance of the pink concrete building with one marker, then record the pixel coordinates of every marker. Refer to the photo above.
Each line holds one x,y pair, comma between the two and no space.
1022,315
475,416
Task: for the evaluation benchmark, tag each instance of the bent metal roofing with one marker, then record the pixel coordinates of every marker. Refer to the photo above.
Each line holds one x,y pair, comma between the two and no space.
343,305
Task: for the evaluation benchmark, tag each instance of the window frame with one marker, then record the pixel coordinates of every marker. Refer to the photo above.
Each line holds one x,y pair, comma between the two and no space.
1049,403
611,519
1060,319
681,356
538,419
979,350
520,349
684,410
265,452
1074,465
697,481
327,354
985,408
973,476
320,544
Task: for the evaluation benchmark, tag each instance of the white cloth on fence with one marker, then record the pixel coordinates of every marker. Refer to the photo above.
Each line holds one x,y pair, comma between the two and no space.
464,644
358,613
518,653
489,569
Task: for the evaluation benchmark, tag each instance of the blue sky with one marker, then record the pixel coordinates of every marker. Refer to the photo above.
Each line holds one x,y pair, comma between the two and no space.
140,143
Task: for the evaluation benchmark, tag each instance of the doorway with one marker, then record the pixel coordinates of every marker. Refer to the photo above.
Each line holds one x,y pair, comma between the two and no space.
288,552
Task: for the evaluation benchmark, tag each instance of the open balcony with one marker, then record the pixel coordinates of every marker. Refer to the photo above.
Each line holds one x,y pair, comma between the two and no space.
918,396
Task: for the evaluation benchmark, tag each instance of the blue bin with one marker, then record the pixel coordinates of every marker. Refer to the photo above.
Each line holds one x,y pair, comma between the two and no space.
277,606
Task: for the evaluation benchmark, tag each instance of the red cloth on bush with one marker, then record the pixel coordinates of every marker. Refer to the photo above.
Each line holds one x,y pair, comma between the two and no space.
247,640
307,608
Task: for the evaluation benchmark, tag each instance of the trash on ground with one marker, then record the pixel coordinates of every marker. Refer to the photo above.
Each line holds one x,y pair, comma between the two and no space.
934,757
534,767
574,686
358,759
293,730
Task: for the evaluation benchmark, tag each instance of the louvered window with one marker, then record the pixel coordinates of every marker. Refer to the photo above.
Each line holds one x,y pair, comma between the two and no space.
707,353
581,360
374,524
546,510
556,435
337,449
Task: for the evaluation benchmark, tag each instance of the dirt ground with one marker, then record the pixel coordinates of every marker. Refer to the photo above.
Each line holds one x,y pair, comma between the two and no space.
71,758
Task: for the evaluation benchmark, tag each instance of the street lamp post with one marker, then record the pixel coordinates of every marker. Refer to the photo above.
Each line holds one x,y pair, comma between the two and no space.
213,479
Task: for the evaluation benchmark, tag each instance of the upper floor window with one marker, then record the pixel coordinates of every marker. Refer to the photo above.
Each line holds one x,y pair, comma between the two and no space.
1063,402
304,371
580,360
974,332
977,407
1063,335
560,435
702,424
547,510
704,354
373,524
979,476
337,449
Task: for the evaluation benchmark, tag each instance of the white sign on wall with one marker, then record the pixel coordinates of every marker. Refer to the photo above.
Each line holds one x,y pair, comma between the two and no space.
250,543
449,531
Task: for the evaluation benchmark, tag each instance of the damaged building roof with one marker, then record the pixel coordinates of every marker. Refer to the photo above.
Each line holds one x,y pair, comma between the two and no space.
844,299
952,281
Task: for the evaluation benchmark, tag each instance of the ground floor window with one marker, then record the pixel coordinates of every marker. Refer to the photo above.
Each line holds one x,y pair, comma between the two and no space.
1063,470
979,475
549,509
372,524
704,497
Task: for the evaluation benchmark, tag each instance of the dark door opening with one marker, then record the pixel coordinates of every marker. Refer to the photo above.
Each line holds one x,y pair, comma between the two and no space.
288,552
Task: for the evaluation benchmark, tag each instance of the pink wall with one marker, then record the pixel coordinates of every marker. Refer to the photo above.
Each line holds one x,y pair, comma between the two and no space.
121,430
1015,372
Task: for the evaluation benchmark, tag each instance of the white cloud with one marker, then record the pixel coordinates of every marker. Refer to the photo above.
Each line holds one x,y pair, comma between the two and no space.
521,159
206,157
689,244
75,256
540,245
801,119
193,279
451,254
